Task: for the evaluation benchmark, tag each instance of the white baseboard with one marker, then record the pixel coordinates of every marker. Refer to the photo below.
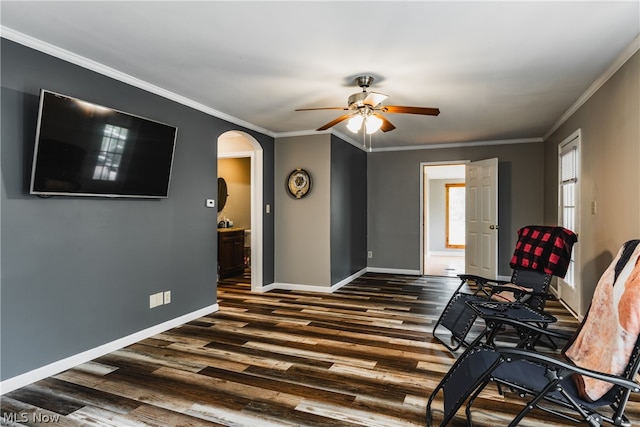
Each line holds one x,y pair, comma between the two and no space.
578,317
349,279
86,356
393,271
313,288
298,287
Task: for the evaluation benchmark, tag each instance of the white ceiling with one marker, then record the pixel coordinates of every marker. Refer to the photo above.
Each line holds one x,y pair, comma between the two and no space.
504,70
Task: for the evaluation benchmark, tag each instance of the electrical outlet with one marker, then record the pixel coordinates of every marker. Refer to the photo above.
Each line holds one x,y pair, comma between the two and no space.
153,301
370,254
167,297
156,299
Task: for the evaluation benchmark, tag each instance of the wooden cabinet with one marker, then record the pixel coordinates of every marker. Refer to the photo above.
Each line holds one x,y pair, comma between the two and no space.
230,252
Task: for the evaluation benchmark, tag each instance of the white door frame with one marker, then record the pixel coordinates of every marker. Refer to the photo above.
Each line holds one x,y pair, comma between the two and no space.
256,156
423,212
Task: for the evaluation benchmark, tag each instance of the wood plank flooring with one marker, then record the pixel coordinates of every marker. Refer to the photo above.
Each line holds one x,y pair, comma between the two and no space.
362,356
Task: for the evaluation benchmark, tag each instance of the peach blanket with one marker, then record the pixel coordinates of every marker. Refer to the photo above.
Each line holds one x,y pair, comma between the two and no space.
610,331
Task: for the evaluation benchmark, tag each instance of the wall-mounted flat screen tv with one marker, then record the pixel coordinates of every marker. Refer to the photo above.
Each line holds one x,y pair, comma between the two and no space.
85,149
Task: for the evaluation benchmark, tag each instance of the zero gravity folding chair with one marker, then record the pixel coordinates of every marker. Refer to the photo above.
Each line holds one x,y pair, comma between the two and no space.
541,252
594,380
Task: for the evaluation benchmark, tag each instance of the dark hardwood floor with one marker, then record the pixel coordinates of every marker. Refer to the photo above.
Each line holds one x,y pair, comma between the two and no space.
362,356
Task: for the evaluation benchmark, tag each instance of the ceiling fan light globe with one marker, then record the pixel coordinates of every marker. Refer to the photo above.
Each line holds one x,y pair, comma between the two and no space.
372,124
355,123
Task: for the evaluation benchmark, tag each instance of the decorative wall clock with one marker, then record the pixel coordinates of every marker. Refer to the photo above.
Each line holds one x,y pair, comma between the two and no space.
299,183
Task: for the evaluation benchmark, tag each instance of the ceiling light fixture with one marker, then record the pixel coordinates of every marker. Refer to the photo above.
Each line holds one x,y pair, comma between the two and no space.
371,123
355,123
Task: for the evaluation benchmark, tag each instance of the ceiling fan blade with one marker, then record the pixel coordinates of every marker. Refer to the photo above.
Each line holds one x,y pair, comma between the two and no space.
322,108
386,124
335,122
411,110
374,98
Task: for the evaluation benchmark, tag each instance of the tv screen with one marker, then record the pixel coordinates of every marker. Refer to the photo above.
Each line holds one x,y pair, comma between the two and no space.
84,149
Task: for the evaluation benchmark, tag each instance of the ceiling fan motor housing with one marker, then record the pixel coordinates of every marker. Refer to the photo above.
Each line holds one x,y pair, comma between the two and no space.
357,100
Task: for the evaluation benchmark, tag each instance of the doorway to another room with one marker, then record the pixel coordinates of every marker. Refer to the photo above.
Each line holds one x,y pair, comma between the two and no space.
239,223
234,219
443,219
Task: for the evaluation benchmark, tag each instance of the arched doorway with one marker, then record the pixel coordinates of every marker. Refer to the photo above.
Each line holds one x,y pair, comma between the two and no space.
240,145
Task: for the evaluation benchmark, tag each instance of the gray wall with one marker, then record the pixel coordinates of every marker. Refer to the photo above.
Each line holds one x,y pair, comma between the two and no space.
322,238
394,199
610,175
77,272
303,225
348,209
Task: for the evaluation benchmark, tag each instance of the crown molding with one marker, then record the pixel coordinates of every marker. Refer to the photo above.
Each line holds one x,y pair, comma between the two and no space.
620,60
307,132
97,67
411,147
461,144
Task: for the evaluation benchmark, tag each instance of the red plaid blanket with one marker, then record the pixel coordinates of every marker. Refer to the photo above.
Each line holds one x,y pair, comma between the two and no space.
544,248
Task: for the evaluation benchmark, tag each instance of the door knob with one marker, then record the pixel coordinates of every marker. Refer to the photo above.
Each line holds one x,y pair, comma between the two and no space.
493,227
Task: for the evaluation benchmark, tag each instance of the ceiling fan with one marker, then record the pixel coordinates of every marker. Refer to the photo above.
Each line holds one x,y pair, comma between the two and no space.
364,108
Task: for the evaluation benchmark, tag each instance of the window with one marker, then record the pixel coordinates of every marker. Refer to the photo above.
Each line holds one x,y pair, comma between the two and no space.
455,217
568,196
110,153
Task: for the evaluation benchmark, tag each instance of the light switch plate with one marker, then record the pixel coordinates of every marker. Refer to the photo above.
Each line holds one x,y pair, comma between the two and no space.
210,203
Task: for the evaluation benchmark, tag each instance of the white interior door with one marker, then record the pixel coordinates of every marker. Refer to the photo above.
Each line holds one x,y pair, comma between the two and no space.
481,247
